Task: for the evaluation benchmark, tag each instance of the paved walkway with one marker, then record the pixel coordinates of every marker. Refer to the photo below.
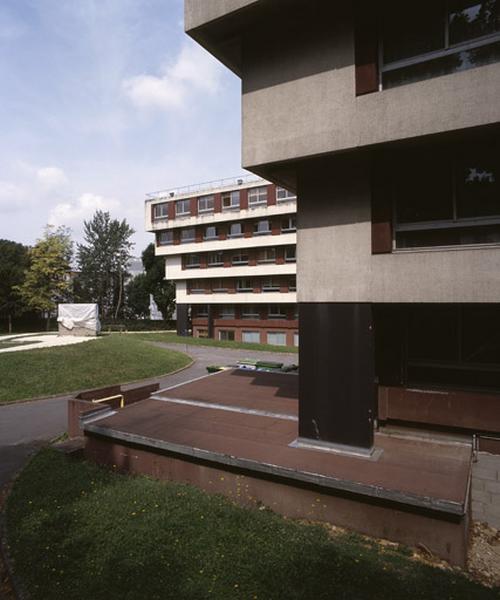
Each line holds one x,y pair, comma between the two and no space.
36,341
25,426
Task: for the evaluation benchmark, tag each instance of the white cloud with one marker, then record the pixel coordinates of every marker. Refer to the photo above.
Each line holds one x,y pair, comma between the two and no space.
51,178
193,71
75,212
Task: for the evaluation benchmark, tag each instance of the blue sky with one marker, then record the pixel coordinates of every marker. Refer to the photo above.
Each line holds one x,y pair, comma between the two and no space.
102,101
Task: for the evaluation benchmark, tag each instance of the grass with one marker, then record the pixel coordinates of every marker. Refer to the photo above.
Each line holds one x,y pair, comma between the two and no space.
172,338
104,361
79,531
14,344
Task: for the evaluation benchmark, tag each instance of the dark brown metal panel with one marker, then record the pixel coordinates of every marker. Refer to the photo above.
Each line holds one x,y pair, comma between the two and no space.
381,206
337,380
389,321
366,48
182,319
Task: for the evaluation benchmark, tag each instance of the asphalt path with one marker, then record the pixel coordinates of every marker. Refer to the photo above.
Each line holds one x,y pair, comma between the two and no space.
25,426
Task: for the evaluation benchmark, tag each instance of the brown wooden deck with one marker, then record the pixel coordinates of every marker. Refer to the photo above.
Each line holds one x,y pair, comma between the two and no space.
243,422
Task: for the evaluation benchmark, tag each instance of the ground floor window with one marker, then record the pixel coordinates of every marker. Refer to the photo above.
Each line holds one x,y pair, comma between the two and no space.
253,337
202,333
295,339
226,335
276,338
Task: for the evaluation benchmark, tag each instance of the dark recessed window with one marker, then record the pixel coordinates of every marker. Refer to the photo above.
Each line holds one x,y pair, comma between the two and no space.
160,211
165,238
235,230
430,38
447,196
211,233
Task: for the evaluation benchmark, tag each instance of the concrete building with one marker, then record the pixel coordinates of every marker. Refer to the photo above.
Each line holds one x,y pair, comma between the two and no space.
385,122
230,248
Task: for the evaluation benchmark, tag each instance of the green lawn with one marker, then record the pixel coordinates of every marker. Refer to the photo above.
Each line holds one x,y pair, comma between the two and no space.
78,531
106,360
172,338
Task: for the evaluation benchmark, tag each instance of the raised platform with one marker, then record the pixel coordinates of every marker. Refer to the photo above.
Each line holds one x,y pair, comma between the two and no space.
233,433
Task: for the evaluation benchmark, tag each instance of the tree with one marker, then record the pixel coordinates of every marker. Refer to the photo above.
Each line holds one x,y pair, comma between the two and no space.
137,294
102,262
14,261
48,279
163,291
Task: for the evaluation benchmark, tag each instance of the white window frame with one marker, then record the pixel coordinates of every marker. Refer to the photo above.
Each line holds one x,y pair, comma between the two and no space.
226,311
169,233
183,202
227,331
296,339
290,228
190,239
206,200
273,333
270,286
258,196
222,289
235,235
291,286
275,315
266,260
291,259
244,289
217,263
284,195
214,237
164,212
251,333
189,265
233,205
236,259
196,290
266,231
250,311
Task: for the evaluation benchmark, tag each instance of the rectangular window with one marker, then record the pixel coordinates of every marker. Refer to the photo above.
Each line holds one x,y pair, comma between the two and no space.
211,233
165,238
251,337
250,311
231,200
206,204
291,254
240,259
270,284
447,196
437,38
160,211
292,284
296,339
283,195
216,259
200,311
262,227
188,235
454,345
183,207
276,311
196,287
192,261
257,195
276,338
202,333
226,311
267,255
226,335
289,225
244,285
219,285
235,230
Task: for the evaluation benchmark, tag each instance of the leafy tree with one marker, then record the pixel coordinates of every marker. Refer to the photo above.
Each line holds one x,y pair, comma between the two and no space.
102,262
48,280
137,294
163,291
14,261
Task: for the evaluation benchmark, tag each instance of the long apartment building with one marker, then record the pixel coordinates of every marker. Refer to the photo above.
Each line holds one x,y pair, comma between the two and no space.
230,248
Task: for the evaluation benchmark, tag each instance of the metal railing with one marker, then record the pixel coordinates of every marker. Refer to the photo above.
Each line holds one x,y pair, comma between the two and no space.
228,182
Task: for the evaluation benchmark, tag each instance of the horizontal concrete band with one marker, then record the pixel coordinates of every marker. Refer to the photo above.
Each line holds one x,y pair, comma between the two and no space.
436,505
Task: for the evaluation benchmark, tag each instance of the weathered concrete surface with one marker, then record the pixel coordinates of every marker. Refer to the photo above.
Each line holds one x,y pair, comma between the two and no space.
201,12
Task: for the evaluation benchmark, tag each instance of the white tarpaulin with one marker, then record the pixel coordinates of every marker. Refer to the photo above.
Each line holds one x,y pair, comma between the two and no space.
79,315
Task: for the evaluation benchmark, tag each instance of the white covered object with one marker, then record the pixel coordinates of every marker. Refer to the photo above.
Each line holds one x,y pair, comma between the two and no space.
81,316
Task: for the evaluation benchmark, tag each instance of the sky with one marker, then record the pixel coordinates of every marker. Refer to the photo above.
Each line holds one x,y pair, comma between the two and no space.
101,102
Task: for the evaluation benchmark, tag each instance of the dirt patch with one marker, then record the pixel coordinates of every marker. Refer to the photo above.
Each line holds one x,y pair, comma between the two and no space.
484,554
